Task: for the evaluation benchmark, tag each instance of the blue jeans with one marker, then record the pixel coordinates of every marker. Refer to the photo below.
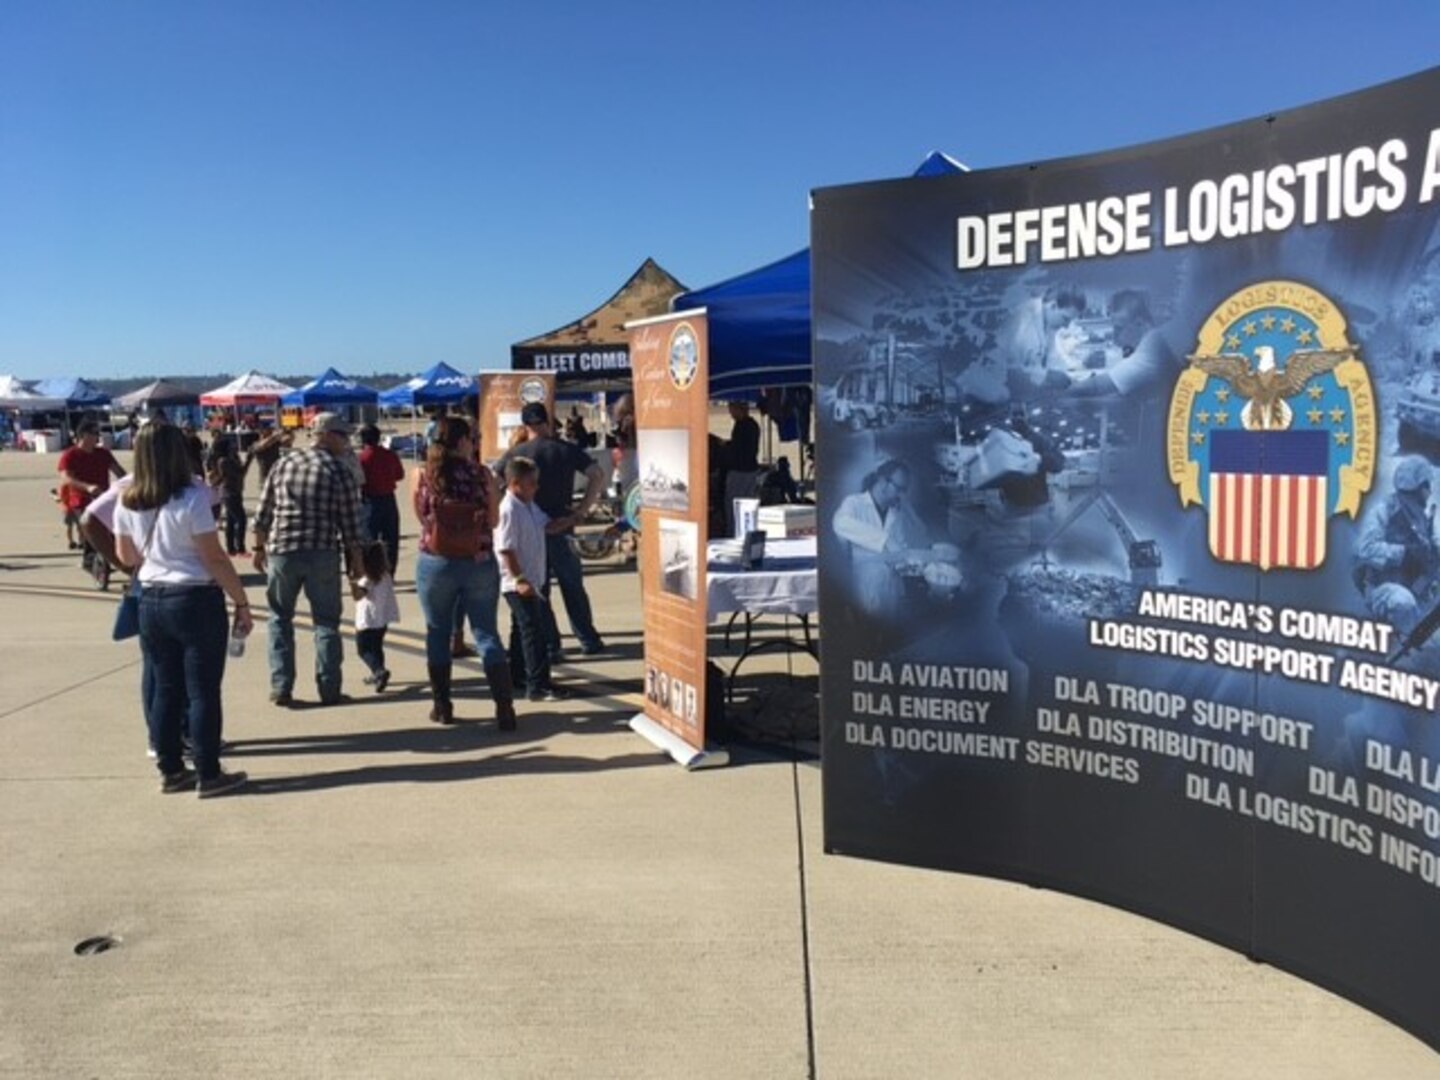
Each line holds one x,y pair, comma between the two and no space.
318,574
183,631
563,566
382,522
442,584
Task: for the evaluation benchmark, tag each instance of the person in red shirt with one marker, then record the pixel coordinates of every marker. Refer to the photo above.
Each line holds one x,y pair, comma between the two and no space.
380,512
85,470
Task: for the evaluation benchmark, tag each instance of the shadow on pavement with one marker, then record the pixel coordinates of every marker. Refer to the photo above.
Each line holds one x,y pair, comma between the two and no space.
467,735
530,760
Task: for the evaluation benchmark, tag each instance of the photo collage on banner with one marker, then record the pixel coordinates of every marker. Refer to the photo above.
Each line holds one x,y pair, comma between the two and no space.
1129,574
503,394
669,357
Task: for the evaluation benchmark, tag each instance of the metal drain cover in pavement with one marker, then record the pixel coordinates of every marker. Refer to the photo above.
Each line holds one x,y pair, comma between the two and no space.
94,946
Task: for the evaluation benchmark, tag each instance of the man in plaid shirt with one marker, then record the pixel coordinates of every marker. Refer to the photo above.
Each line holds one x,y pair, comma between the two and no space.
309,509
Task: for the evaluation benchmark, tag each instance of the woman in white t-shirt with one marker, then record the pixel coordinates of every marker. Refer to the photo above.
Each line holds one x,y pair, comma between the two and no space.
164,527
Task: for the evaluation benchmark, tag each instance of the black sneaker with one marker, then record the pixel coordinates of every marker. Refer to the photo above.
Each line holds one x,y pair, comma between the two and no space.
282,698
175,783
550,693
337,698
221,783
593,649
382,680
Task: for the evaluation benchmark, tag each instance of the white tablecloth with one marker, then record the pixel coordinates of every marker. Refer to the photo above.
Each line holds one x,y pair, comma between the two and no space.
786,583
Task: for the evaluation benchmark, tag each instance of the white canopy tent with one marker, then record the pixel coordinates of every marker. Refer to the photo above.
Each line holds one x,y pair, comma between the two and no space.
16,394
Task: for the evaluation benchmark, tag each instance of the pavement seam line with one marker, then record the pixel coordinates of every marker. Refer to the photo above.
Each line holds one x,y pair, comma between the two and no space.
67,689
804,914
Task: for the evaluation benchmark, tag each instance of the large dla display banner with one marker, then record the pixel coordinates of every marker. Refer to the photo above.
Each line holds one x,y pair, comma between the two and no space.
1128,558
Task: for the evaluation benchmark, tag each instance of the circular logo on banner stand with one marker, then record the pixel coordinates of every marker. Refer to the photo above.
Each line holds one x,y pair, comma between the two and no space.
532,391
1272,426
684,356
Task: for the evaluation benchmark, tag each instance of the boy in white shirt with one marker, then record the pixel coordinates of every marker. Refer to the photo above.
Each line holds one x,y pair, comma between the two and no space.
520,545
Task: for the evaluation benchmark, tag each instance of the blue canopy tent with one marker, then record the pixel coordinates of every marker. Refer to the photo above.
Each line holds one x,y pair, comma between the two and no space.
331,388
441,385
77,394
759,327
760,320
74,395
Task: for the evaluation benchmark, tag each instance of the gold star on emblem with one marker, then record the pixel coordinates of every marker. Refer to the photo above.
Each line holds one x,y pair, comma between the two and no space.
1222,418
1203,417
1233,341
1337,416
1315,416
1316,393
1222,395
1342,438
1198,438
1287,324
1250,328
1305,337
1268,322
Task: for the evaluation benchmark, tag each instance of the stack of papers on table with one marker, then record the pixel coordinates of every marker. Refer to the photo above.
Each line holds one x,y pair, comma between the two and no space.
726,551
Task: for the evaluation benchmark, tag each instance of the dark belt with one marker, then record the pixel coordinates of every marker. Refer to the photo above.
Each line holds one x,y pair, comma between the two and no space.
164,588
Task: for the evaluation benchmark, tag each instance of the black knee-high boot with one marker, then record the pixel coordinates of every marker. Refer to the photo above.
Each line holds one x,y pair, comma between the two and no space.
442,711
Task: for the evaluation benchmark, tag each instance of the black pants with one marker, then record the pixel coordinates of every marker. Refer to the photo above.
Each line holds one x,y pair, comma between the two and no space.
235,524
370,644
529,652
382,522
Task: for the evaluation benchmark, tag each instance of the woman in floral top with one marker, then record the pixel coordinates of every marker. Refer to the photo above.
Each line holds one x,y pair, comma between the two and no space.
457,502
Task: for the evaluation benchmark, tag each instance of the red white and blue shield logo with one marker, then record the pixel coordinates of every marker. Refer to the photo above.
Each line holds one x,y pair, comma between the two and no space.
1269,498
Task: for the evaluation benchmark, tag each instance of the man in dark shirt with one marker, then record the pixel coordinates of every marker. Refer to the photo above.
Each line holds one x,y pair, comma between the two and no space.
742,460
559,461
309,509
266,452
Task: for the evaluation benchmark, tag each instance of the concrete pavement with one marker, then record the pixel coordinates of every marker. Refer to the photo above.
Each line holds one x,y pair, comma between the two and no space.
395,899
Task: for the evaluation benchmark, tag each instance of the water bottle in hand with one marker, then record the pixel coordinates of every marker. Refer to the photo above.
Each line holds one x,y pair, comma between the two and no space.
237,642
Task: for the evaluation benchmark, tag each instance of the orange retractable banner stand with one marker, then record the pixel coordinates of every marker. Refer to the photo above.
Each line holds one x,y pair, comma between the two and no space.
503,394
669,361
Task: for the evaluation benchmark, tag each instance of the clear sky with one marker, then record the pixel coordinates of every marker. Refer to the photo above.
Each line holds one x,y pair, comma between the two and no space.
188,187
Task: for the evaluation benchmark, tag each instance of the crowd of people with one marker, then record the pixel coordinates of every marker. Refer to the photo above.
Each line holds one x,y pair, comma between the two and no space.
327,515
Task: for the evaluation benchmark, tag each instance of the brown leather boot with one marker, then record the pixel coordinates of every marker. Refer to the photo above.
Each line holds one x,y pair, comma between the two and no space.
502,689
442,711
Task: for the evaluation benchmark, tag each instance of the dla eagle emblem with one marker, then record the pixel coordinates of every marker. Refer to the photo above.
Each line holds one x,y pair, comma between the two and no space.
1272,427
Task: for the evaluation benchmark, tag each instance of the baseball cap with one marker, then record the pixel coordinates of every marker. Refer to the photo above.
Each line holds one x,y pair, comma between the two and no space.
329,421
533,414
